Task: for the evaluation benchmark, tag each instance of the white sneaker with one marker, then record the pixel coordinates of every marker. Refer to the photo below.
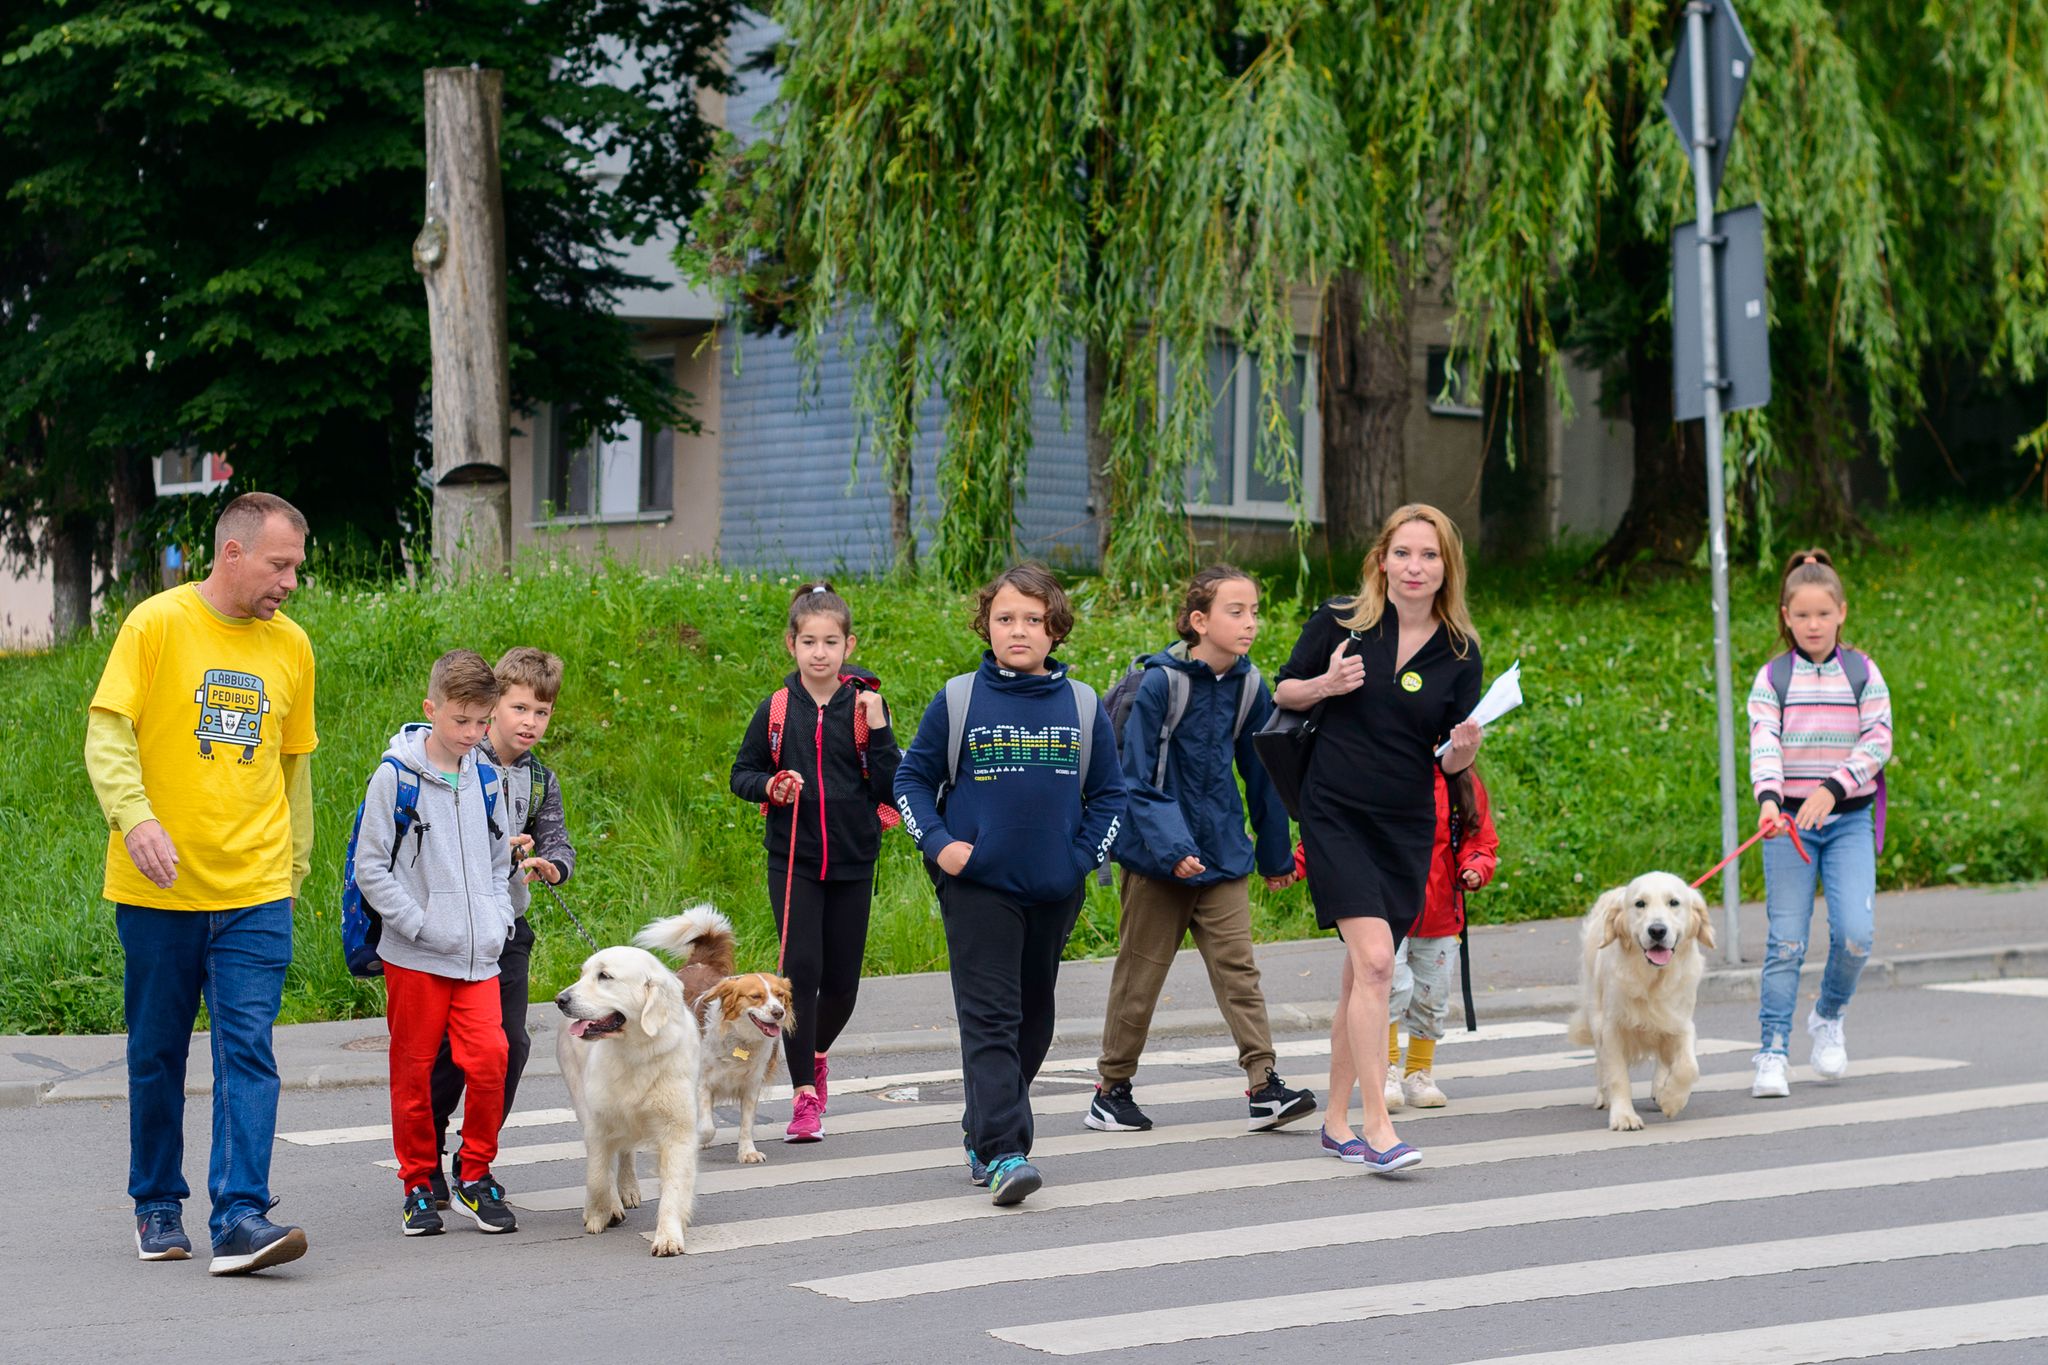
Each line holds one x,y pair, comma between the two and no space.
1830,1054
1392,1090
1421,1092
1771,1082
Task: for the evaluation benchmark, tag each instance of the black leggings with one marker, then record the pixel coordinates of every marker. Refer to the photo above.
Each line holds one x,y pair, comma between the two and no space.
821,955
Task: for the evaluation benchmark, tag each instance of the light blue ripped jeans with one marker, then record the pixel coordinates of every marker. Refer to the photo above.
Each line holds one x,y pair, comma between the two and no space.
1845,862
1425,976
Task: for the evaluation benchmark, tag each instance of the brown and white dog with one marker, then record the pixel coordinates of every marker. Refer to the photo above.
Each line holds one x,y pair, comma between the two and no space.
1639,976
742,1018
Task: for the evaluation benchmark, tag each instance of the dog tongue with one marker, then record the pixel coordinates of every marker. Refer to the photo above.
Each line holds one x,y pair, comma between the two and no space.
577,1027
1659,956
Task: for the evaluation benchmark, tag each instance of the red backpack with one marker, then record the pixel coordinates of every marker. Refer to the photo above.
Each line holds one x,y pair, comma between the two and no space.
778,716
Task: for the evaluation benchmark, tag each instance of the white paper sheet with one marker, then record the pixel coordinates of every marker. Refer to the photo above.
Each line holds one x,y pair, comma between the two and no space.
1504,696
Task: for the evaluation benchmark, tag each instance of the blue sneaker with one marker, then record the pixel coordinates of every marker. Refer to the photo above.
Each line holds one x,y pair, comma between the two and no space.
977,1169
1352,1150
256,1244
1011,1180
1398,1157
160,1236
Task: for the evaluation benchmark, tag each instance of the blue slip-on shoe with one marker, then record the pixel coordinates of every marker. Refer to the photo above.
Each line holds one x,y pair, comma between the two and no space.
160,1236
1011,1180
977,1169
1398,1157
256,1244
1352,1150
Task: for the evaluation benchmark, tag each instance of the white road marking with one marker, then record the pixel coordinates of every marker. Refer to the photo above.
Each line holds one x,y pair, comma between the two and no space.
2035,987
970,1204
1808,1343
1912,1168
1661,1270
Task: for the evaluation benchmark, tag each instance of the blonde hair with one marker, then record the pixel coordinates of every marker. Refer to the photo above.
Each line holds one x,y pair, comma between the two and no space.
1370,604
536,670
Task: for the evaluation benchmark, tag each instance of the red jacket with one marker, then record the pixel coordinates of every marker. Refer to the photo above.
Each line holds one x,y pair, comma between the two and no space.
1443,902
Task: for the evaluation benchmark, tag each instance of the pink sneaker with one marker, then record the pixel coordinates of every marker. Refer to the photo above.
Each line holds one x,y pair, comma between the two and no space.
821,1068
806,1119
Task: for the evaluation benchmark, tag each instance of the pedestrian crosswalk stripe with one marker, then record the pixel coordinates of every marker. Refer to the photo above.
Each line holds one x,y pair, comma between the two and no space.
715,1177
1513,1030
1808,1343
824,1223
1179,1092
1912,1168
1654,1270
2030,986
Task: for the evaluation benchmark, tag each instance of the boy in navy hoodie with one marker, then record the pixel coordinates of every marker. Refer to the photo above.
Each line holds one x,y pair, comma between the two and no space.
1012,792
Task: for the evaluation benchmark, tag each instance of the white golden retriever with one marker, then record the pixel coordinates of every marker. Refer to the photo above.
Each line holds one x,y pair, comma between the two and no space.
629,1056
1639,976
742,1018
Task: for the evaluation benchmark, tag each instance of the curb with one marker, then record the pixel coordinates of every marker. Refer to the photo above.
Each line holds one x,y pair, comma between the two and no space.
1718,986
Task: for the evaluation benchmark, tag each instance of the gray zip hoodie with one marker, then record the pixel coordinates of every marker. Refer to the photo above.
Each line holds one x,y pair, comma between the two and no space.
445,901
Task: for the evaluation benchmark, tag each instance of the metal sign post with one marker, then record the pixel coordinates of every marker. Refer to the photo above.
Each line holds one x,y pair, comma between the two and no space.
1713,54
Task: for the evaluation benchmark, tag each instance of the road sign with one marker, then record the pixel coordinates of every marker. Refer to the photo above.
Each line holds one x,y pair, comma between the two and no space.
1730,59
1744,331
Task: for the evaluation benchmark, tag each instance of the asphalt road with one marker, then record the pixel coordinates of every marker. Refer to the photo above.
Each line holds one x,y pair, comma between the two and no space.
1904,1209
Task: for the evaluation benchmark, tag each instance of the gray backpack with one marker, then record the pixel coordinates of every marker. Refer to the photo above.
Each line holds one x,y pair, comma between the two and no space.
960,691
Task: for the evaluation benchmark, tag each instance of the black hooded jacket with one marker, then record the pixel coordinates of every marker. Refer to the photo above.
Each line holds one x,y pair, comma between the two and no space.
838,833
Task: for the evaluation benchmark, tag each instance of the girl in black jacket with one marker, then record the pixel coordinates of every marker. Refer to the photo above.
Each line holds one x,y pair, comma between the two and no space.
820,757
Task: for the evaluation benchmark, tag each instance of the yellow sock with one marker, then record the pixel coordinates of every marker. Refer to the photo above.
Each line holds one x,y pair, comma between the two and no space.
1421,1053
1393,1045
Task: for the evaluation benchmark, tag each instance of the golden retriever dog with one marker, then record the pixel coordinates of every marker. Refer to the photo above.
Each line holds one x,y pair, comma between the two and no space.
629,1056
742,1018
1639,974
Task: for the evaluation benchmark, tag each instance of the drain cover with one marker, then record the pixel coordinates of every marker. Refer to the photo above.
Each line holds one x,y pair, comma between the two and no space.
376,1042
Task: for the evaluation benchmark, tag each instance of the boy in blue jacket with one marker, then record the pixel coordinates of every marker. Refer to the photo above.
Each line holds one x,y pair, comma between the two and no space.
1011,791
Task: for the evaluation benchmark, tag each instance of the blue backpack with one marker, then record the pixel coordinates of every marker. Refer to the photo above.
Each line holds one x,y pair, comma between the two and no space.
361,926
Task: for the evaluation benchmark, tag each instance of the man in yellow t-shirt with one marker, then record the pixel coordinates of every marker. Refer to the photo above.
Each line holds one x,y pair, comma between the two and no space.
199,745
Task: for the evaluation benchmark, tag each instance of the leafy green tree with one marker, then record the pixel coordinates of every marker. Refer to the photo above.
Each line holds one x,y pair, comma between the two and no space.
998,184
209,211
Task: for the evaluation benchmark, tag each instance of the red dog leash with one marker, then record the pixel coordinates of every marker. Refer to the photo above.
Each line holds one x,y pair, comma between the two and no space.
1744,847
788,884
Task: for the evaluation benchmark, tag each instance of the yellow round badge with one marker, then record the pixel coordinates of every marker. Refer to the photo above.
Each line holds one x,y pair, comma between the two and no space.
1411,681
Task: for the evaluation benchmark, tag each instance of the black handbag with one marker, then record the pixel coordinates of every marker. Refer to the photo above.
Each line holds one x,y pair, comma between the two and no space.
1284,744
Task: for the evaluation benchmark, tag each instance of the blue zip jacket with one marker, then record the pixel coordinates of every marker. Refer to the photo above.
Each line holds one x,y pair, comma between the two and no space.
1019,798
1199,813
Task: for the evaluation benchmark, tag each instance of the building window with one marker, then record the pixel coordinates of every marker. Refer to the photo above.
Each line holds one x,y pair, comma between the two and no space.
1453,385
1231,483
631,475
190,471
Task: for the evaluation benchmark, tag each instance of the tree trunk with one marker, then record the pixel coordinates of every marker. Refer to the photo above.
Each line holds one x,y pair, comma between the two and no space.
68,541
1514,492
1364,397
460,253
1095,391
1666,519
135,567
898,459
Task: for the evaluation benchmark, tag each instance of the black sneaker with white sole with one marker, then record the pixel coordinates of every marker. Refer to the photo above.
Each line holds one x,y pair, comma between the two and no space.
484,1201
420,1218
1114,1111
256,1244
1273,1105
160,1236
437,1183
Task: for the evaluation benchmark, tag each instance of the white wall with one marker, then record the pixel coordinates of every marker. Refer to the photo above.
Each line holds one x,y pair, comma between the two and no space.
25,608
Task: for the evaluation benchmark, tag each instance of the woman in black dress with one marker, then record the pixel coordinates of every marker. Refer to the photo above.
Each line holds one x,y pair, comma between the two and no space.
1397,670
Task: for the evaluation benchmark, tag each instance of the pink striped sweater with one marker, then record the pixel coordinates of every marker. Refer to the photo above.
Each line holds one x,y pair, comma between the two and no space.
1821,738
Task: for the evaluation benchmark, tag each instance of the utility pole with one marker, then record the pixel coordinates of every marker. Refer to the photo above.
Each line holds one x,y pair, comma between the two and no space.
460,254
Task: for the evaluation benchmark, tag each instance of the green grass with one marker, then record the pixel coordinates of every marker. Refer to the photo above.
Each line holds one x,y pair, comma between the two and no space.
1607,771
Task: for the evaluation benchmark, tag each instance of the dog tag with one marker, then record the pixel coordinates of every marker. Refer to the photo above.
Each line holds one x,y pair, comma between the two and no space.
743,1054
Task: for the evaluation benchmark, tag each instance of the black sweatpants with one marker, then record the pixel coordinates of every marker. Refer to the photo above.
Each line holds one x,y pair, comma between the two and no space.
822,946
1005,956
514,965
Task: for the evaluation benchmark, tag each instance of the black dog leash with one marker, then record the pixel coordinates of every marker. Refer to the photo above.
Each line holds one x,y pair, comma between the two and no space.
564,908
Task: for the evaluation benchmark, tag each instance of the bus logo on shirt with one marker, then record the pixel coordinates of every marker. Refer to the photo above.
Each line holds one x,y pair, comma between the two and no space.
1411,681
231,711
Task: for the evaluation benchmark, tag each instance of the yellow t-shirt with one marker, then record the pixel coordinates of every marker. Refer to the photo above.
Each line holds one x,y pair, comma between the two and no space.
216,702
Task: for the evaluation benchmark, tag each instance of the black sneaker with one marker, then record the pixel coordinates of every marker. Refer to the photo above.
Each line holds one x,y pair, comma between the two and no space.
160,1236
1011,1179
437,1183
977,1169
1274,1105
1114,1111
484,1200
256,1244
420,1218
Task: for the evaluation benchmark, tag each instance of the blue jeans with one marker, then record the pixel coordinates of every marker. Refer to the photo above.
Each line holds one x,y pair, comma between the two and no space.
1845,861
238,959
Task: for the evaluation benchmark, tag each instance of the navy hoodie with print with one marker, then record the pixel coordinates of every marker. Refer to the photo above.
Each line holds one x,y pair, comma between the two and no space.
1037,828
1199,814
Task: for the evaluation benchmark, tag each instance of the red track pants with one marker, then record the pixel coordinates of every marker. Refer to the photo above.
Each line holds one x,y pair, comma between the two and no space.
421,1009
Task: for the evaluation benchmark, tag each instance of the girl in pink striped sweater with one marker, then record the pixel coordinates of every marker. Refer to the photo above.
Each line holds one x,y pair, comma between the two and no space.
1820,734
